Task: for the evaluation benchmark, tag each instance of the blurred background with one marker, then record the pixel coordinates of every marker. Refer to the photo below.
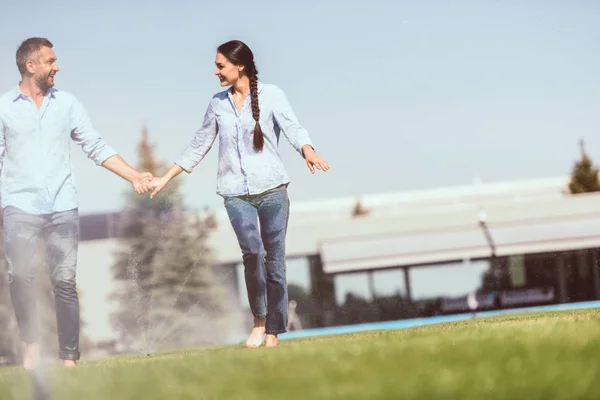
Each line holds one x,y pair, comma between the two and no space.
461,138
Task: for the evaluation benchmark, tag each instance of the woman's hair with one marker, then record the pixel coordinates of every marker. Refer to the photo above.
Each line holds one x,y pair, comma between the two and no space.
238,53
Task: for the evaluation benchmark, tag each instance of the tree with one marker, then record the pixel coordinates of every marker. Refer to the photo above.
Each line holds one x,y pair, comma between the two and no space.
584,177
168,292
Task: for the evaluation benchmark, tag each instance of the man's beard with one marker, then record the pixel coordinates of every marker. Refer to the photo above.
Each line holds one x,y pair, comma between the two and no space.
43,84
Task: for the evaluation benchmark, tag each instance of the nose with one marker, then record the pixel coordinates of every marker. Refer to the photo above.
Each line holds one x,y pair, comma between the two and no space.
56,67
217,71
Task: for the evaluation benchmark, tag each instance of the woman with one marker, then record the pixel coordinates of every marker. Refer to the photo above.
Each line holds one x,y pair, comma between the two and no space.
248,117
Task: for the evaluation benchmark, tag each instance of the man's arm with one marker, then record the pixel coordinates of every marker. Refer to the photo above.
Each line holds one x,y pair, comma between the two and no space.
93,145
117,165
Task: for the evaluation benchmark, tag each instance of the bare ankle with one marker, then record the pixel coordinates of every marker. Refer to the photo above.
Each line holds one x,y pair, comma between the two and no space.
32,356
260,322
256,336
271,340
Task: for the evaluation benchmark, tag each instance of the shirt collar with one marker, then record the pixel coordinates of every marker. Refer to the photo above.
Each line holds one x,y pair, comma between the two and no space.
259,87
17,94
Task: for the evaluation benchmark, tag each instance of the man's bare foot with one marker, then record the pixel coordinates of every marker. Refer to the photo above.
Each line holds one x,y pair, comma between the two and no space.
256,337
32,357
271,341
69,363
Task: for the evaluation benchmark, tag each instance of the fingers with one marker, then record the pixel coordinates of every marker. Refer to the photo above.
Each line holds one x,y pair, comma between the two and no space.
157,184
144,182
156,190
146,176
318,163
147,186
312,170
139,188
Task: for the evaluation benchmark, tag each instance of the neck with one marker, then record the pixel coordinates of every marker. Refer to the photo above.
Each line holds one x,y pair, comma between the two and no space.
30,88
241,86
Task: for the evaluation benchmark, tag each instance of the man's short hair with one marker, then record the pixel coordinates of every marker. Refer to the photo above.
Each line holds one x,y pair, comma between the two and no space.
29,49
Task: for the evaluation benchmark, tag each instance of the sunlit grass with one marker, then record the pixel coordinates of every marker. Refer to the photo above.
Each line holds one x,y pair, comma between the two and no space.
530,356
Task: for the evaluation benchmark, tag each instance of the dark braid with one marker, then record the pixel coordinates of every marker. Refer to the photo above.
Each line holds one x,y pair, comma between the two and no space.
258,135
238,53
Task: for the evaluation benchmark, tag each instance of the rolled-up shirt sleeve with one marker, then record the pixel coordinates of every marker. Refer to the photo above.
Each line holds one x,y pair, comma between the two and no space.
287,121
201,143
85,135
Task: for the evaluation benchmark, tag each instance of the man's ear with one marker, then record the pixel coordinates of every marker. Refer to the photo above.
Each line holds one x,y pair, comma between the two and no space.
30,66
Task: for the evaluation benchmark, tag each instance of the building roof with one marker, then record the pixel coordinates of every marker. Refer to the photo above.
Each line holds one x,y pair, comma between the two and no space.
427,200
420,226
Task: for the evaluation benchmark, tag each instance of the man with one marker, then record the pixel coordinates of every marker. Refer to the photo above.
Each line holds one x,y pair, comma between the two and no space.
38,193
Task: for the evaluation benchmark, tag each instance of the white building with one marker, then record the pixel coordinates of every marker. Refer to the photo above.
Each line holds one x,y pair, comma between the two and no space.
434,243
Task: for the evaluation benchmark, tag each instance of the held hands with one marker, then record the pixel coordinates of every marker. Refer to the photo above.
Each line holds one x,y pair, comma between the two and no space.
313,160
142,182
157,185
145,182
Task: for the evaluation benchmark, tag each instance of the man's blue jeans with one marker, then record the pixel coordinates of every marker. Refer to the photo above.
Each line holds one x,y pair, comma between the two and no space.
260,224
59,232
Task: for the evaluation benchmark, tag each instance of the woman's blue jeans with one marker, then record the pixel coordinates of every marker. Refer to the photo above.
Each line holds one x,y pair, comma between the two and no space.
260,223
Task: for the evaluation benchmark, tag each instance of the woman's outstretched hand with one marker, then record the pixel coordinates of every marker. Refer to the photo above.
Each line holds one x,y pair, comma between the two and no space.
313,160
157,184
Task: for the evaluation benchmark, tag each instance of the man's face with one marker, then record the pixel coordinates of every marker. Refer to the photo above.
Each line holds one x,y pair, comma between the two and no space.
44,68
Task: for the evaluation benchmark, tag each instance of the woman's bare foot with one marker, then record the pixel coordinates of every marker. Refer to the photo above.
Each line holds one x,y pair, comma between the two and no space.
69,363
271,341
256,337
32,357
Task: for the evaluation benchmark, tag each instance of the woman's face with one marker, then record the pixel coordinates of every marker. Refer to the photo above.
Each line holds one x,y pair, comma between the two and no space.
227,72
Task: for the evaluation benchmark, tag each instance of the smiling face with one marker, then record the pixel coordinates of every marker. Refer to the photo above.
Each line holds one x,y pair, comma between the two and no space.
227,72
42,68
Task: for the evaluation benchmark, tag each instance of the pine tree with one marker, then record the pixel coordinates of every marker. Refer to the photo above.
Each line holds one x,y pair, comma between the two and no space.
584,177
168,292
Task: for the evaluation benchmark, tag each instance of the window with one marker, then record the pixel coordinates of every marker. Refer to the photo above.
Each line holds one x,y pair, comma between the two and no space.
352,284
448,280
389,282
516,267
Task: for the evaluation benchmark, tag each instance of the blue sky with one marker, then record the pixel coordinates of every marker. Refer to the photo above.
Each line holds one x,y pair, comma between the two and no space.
396,95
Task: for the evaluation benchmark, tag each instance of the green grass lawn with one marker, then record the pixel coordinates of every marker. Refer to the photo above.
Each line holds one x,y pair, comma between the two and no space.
529,356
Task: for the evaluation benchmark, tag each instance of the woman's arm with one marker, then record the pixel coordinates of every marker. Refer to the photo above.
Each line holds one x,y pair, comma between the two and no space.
194,152
294,132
